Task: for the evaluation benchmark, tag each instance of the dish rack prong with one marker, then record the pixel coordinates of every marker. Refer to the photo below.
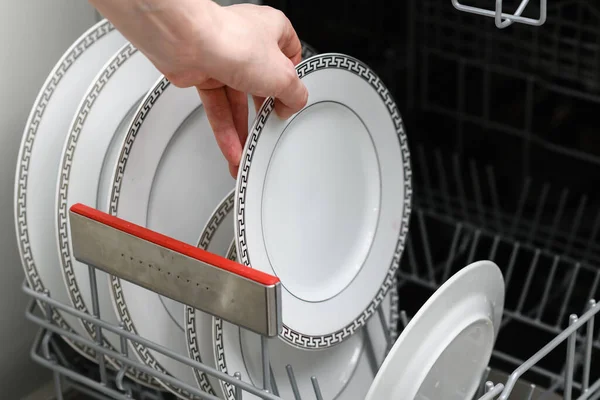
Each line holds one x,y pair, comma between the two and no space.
98,235
502,19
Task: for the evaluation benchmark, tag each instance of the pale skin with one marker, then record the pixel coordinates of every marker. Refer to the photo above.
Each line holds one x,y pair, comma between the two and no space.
225,52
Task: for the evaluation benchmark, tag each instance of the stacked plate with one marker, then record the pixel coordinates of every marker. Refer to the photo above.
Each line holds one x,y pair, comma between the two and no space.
322,200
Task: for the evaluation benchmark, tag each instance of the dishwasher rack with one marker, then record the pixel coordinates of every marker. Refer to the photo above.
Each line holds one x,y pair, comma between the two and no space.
485,106
423,268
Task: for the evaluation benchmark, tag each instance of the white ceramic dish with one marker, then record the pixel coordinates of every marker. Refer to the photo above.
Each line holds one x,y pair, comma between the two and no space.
323,200
238,350
216,237
170,175
38,162
97,124
445,348
169,178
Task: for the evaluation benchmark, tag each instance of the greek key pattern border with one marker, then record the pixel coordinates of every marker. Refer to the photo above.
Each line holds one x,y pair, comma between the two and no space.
314,64
27,260
229,389
219,345
224,209
67,261
117,290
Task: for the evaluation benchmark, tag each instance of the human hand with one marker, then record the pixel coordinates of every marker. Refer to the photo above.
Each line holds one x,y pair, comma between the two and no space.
225,52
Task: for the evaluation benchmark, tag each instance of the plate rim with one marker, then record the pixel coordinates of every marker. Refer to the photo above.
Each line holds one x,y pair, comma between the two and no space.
191,334
218,324
61,218
116,292
85,41
325,61
472,268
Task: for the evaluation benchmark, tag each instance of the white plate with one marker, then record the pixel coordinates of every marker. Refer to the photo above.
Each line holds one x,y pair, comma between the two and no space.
323,200
169,178
39,159
445,348
216,237
238,350
98,122
170,175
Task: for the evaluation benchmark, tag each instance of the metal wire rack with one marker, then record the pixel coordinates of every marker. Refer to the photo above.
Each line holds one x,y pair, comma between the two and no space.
496,178
549,280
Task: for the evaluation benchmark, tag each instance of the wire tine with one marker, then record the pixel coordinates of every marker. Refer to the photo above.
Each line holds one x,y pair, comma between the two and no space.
315,384
426,248
384,327
474,246
589,343
557,216
58,390
477,190
592,240
97,328
370,351
452,252
238,390
594,287
48,308
567,299
485,375
412,260
576,223
571,343
494,248
547,288
46,345
293,382
460,185
521,205
426,176
494,194
439,161
489,386
273,382
539,210
264,349
531,392
511,263
528,281
123,369
404,319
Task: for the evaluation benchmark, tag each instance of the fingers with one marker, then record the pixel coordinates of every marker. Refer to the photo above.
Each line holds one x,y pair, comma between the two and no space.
219,113
258,102
289,43
238,102
292,95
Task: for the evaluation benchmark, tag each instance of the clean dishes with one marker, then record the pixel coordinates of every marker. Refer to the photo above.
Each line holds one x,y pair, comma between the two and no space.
39,159
238,350
323,200
99,122
216,238
169,177
244,356
170,174
443,351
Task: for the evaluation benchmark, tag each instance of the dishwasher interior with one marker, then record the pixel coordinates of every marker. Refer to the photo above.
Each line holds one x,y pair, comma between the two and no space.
505,151
505,160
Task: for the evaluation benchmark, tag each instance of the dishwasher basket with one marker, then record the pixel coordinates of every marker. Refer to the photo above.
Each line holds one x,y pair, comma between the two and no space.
506,167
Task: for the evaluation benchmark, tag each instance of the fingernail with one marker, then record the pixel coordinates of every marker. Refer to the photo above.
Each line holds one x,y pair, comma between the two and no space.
233,170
